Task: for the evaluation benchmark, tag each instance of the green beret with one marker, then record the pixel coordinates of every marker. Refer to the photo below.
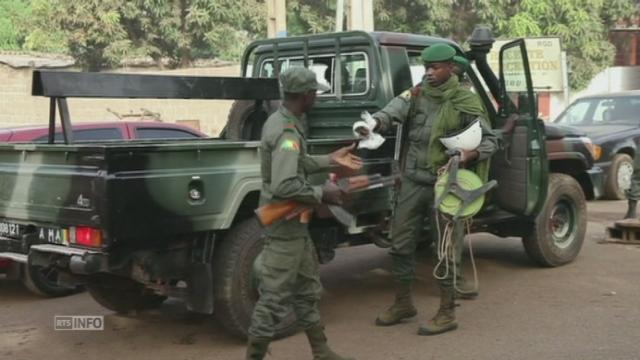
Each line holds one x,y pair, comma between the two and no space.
297,80
462,62
440,52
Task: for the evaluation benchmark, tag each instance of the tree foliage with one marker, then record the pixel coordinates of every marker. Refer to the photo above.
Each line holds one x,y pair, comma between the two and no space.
91,28
186,29
582,25
310,16
99,33
14,14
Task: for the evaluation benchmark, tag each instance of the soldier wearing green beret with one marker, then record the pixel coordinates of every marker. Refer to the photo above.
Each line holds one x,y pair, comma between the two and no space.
288,270
432,109
461,65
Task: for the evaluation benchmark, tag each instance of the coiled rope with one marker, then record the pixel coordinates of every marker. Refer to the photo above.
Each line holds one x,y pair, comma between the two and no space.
446,247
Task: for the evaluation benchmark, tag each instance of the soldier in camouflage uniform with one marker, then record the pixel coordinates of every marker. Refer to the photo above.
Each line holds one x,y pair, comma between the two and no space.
288,271
437,106
461,65
633,194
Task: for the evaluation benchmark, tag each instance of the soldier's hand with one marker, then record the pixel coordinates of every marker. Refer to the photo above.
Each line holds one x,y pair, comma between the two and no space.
345,158
331,193
467,156
361,128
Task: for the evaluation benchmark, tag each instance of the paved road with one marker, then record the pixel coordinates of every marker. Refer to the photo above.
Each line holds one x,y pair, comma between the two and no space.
589,309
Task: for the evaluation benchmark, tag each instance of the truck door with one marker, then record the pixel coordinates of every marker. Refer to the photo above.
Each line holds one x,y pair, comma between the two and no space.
521,166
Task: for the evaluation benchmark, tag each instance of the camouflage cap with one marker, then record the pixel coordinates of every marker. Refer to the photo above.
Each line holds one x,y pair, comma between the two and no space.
439,52
462,62
297,80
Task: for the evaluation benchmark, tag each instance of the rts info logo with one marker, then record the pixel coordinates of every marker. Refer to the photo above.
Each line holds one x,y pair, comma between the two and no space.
75,322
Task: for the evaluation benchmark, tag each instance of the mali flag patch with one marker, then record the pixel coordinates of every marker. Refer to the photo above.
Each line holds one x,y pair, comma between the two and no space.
290,145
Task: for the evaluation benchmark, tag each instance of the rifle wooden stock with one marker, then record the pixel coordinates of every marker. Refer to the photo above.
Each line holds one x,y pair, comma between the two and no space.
270,213
356,183
289,209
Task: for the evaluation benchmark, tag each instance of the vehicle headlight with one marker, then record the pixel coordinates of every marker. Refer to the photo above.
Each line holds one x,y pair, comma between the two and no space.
595,150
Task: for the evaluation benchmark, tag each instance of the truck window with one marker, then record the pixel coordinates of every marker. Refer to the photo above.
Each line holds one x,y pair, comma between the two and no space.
162,133
416,66
321,65
87,135
355,74
515,80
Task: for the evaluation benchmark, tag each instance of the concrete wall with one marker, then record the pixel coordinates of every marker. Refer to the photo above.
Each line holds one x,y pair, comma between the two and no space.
18,107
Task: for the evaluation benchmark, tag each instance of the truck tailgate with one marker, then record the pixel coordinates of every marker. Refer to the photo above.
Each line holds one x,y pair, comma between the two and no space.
59,185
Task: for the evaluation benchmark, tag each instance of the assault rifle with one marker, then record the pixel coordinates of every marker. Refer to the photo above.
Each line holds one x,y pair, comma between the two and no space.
289,209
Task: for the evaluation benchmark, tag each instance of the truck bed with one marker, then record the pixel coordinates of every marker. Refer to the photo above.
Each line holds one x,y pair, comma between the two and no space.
141,189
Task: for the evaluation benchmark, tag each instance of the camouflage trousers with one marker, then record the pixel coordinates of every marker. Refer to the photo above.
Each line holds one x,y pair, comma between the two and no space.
634,192
414,207
289,280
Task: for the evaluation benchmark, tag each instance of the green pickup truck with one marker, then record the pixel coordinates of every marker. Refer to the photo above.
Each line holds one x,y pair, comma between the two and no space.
141,221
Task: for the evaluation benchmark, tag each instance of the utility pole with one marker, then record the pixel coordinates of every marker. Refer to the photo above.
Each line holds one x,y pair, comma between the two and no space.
339,15
360,15
276,18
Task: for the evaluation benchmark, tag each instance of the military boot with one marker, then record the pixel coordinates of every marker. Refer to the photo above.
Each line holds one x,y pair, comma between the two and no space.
257,348
465,289
445,319
401,309
631,210
319,347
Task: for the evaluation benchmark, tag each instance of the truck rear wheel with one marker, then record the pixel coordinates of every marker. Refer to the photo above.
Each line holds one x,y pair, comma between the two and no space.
618,177
122,295
235,288
558,233
43,281
245,119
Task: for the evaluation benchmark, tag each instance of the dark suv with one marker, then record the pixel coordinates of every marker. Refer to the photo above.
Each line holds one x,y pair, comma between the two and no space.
612,121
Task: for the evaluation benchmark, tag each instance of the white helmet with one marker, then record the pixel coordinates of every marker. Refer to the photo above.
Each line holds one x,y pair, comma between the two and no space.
466,139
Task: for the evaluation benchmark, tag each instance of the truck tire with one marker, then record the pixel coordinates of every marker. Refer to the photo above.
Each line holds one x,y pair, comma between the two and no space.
559,229
43,281
245,120
122,295
235,292
618,177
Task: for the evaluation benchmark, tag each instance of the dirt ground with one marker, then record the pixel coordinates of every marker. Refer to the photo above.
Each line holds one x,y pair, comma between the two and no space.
589,309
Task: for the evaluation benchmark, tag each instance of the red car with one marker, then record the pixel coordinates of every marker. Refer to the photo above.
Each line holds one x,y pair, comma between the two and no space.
119,130
43,281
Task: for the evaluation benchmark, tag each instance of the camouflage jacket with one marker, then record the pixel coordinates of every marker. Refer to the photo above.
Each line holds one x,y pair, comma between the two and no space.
285,165
422,118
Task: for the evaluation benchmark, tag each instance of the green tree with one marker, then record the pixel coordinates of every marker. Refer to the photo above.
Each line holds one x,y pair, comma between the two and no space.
310,16
582,25
185,30
99,33
13,15
92,29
